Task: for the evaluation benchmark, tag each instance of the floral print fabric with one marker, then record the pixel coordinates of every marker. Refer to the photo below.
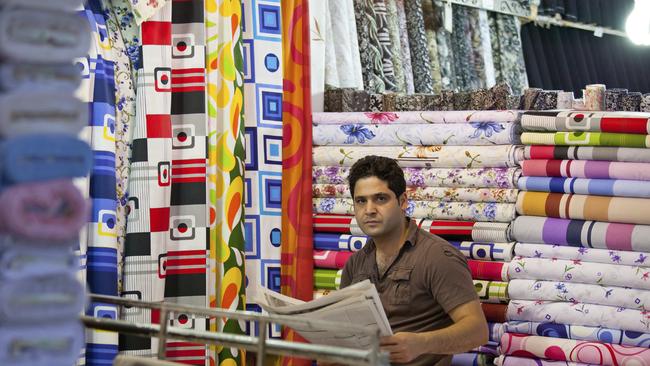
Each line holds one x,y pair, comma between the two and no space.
584,254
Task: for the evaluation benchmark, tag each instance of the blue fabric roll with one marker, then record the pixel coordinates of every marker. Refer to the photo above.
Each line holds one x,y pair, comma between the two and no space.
326,241
598,187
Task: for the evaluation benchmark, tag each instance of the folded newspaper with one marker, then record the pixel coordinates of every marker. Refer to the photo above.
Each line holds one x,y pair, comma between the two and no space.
358,304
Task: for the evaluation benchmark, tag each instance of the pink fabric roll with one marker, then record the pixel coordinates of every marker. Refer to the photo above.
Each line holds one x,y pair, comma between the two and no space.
484,270
53,210
331,258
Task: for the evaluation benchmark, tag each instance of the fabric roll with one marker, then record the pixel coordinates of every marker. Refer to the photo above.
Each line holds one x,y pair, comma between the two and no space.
617,122
417,117
645,103
498,232
575,313
572,350
405,48
500,156
586,139
546,99
345,42
530,97
432,210
583,207
22,261
498,97
53,210
445,51
494,292
632,101
491,271
522,289
431,25
462,48
472,359
599,187
346,100
564,100
579,332
28,76
68,5
333,259
481,133
495,331
618,154
428,193
385,44
27,159
420,60
35,300
586,169
514,102
48,343
614,99
406,102
55,112
376,102
603,235
594,255
485,251
577,271
26,35
512,66
462,100
369,47
480,99
326,242
348,224
484,46
488,349
494,312
595,97
578,104
327,279
394,33
525,361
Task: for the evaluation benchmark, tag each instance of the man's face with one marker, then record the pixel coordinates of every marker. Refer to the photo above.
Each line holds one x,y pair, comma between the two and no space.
377,210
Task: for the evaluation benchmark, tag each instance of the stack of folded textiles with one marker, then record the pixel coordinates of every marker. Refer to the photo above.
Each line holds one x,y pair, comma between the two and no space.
41,296
579,281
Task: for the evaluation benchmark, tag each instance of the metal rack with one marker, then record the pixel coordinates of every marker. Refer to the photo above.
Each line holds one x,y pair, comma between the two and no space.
258,344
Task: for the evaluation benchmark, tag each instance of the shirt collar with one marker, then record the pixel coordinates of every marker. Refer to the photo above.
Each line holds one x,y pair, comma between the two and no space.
410,241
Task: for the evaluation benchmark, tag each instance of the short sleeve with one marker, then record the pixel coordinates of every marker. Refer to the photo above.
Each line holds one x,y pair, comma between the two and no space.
451,282
346,276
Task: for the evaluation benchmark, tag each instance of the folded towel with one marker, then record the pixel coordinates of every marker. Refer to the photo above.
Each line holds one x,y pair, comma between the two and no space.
23,261
34,111
41,299
31,158
51,344
42,36
59,77
68,5
54,210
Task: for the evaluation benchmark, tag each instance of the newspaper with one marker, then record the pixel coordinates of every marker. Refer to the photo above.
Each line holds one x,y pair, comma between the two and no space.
358,304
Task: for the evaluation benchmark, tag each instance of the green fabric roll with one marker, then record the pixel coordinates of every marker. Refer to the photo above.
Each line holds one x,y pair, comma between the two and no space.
327,279
586,139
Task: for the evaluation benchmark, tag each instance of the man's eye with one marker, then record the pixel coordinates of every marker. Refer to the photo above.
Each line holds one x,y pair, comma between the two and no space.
381,198
359,201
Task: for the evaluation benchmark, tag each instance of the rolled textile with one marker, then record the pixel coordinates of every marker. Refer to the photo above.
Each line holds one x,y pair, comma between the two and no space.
598,187
495,331
579,332
485,251
505,178
603,235
40,299
586,139
26,35
348,224
419,117
583,207
333,259
620,154
49,343
429,193
595,97
579,272
586,169
23,261
525,361
50,5
645,103
572,350
500,156
473,133
27,158
339,242
575,313
61,77
432,210
491,271
498,232
54,210
495,313
327,279
564,100
495,292
472,359
584,254
346,99
614,99
55,112
488,349
632,101
521,289
618,122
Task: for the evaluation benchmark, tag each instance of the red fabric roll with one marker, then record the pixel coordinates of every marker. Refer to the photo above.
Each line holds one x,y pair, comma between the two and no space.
495,313
484,270
331,258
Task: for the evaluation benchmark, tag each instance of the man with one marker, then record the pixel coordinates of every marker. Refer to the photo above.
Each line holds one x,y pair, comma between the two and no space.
423,281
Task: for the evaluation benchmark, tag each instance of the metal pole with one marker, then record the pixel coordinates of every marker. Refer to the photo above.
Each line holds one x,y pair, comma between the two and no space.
261,343
162,332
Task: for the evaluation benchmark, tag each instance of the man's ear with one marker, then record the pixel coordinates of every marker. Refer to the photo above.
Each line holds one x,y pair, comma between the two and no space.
403,201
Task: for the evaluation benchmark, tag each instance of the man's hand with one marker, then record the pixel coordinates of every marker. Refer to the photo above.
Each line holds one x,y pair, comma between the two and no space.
403,347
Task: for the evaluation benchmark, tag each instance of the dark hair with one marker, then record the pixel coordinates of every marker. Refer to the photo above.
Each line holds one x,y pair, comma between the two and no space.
381,167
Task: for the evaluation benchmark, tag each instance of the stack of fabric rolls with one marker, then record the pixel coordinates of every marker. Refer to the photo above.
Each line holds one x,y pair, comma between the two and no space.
579,281
41,296
461,172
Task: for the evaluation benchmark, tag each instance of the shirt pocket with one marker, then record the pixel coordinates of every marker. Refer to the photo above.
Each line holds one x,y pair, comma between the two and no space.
400,279
359,277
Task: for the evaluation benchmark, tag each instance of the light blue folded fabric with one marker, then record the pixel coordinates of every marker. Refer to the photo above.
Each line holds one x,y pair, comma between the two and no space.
39,157
48,344
27,76
20,262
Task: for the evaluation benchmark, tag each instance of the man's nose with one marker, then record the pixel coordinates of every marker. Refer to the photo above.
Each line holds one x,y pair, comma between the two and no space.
370,207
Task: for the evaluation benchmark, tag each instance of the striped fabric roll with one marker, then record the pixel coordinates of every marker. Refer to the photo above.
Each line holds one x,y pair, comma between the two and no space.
339,242
586,169
586,139
599,187
575,206
327,279
627,154
491,271
348,224
494,292
472,359
332,259
525,361
485,251
497,232
617,122
604,235
495,331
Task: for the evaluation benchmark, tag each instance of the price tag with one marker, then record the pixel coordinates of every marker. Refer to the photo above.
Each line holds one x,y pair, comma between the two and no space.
598,32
